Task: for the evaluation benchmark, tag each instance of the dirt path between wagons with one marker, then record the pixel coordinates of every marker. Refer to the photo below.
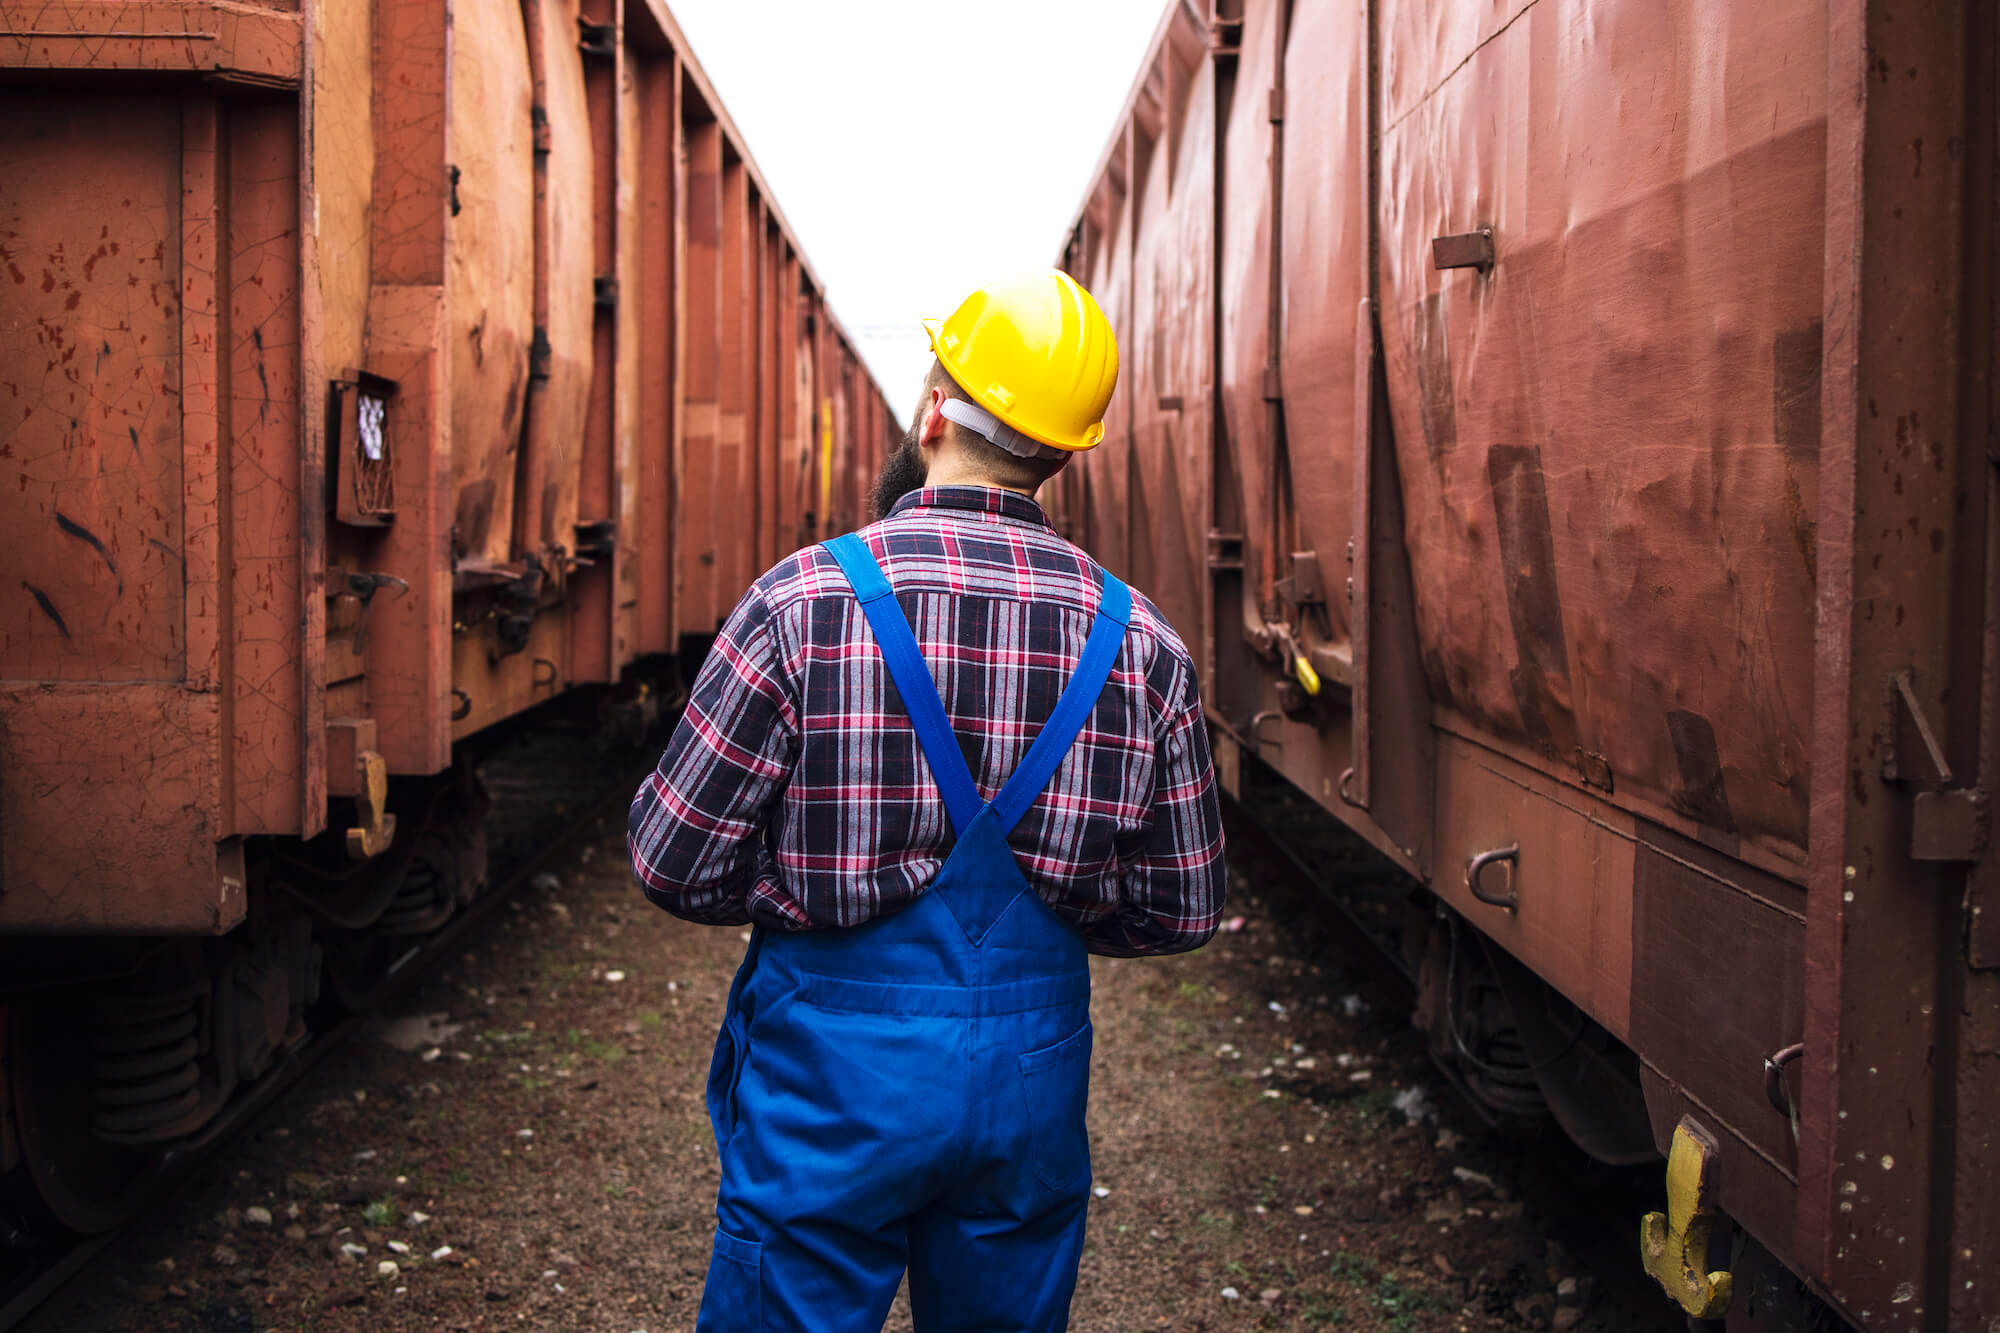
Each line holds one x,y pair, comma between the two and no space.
532,1152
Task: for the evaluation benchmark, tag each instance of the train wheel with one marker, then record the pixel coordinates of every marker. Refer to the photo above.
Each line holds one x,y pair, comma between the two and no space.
84,1183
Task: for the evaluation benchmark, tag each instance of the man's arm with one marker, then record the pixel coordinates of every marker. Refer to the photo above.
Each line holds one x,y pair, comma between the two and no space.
1170,894
698,821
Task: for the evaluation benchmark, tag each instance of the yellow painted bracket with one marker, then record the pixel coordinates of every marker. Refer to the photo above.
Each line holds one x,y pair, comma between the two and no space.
375,827
1304,670
1674,1245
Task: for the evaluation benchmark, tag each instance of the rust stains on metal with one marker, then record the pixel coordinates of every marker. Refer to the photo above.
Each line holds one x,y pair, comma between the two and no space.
1703,794
379,214
1528,565
1671,495
1435,391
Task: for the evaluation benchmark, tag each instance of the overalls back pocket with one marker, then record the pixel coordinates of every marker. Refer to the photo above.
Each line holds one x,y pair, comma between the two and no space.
1056,1084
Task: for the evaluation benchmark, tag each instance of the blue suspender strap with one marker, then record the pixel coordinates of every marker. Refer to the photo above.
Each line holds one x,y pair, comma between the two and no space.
1073,709
913,679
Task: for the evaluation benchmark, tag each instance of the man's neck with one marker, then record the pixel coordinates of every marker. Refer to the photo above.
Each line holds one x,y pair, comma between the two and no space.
950,472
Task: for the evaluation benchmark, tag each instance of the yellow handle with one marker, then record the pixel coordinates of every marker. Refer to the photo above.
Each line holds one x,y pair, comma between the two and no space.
1307,676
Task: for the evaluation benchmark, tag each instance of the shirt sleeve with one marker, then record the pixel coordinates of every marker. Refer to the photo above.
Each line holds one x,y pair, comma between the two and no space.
696,827
1172,887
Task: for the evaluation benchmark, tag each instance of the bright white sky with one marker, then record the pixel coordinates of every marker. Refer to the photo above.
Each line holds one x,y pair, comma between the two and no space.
921,147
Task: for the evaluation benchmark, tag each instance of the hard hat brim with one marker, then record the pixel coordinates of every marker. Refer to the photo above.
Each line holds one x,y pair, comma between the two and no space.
1088,440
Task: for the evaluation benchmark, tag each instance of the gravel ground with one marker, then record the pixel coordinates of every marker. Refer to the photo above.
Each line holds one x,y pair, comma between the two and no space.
532,1152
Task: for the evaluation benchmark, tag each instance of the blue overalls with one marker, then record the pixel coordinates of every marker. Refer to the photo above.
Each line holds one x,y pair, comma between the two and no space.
910,1093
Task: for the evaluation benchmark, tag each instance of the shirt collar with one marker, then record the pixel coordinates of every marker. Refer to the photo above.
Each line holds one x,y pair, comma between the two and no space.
977,499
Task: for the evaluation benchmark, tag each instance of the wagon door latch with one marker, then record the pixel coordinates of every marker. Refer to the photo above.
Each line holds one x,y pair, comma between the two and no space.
1948,822
363,587
520,600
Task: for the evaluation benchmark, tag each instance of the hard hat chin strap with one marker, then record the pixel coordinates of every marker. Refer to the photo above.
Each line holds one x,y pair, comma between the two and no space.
983,423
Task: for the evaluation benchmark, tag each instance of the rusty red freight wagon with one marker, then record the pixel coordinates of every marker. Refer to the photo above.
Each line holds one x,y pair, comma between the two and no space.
1567,429
370,373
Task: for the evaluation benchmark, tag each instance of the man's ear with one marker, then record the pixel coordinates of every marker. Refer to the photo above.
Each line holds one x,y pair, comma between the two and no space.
931,429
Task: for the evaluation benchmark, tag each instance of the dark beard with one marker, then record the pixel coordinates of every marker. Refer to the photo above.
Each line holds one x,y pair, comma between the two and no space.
902,473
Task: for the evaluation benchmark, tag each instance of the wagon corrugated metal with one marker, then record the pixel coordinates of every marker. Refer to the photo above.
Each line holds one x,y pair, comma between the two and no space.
1566,428
370,373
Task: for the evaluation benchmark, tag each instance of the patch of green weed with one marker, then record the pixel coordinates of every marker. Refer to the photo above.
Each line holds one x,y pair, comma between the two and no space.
1351,1267
1399,1305
604,1051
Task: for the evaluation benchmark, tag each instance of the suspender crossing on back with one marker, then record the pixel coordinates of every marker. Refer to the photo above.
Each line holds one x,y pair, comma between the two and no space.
912,677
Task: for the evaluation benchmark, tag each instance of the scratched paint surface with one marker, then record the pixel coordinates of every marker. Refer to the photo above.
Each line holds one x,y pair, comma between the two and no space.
1609,446
265,754
110,838
491,269
90,427
572,265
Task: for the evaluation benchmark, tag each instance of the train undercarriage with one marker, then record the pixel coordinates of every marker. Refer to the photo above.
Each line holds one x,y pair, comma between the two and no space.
122,1055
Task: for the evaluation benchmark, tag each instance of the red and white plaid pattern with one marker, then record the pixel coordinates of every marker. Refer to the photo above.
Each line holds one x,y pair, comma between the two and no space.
794,793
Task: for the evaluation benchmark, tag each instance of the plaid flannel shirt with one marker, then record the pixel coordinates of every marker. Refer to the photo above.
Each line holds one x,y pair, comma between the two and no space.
794,794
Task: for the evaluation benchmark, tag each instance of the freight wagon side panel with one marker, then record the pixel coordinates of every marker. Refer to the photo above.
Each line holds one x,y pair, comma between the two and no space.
735,492
1323,264
1292,268
867,426
1165,348
343,177
600,586
150,416
638,339
764,450
572,261
818,478
490,274
389,657
500,673
1607,442
649,546
475,218
1252,491
840,394
698,525
1107,485
794,445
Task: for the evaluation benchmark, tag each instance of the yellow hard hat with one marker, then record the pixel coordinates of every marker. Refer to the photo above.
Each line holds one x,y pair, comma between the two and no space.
1036,352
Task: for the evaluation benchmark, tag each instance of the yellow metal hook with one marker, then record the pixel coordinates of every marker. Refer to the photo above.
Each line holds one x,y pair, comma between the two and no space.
1674,1245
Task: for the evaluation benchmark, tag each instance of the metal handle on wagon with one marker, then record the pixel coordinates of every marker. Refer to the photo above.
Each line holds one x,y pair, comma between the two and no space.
1507,900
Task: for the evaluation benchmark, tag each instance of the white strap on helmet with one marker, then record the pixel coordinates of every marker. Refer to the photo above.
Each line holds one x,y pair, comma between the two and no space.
983,423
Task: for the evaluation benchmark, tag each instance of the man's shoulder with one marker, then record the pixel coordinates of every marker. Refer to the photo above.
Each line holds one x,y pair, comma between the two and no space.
1169,666
1062,571
802,576
1148,619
